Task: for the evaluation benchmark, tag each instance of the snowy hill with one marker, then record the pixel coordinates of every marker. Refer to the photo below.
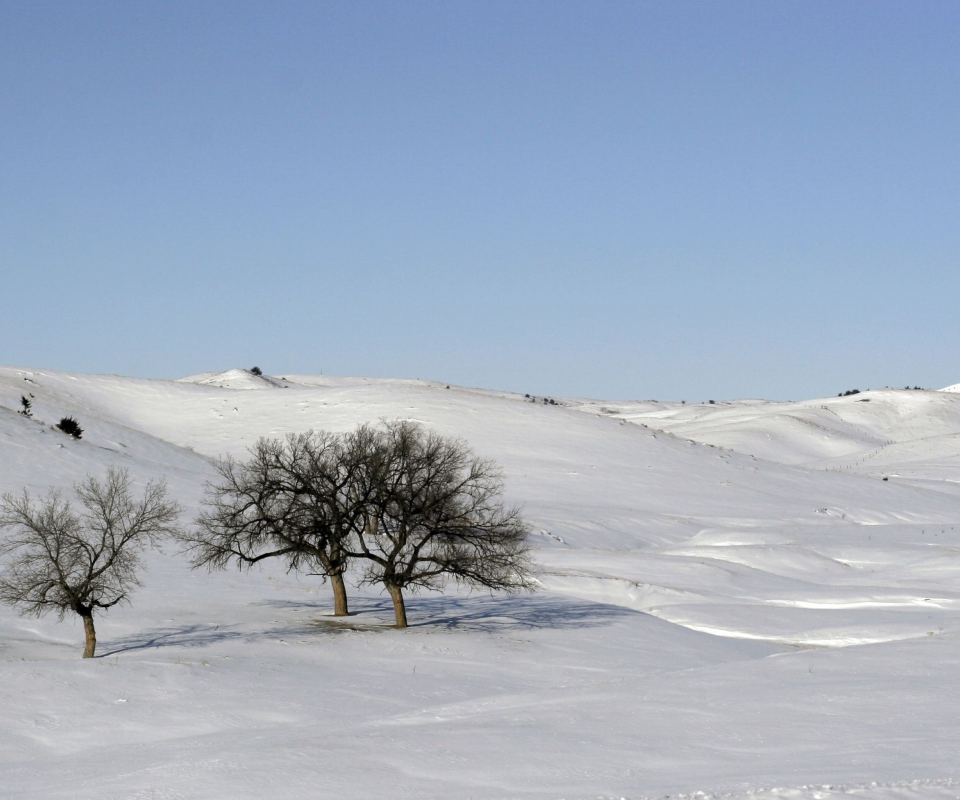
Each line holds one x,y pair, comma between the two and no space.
235,379
876,433
734,599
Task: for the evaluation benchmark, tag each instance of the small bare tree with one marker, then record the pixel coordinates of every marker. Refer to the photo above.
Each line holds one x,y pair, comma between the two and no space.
64,560
435,512
298,499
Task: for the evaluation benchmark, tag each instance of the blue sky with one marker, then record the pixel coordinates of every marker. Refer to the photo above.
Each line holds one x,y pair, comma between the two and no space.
668,200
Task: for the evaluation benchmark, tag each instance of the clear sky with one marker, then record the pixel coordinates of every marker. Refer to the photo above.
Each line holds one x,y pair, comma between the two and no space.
671,200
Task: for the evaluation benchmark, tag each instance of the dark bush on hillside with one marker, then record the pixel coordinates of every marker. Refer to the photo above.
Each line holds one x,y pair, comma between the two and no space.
70,427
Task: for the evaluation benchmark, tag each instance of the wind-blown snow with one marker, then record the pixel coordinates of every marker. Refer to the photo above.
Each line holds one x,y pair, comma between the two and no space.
735,604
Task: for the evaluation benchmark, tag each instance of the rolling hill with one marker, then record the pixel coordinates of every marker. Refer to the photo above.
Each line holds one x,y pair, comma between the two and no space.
743,599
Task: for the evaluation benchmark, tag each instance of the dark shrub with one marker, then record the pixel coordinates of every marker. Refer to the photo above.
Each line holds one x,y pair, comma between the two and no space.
70,427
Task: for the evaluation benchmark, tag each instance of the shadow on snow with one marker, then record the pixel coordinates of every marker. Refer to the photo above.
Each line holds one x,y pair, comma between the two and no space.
186,636
477,613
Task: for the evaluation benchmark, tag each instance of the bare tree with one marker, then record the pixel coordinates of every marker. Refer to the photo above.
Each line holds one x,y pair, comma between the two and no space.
297,499
435,512
64,560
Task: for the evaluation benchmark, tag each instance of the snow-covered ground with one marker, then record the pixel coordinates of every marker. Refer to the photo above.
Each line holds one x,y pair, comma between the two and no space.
741,600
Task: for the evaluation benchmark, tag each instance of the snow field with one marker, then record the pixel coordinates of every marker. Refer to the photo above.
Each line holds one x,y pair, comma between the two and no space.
736,623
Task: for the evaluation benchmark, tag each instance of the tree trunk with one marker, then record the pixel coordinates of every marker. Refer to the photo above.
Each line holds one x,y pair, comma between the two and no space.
91,634
339,595
396,594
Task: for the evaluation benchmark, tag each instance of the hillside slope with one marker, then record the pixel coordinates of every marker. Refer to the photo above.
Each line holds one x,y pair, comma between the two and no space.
877,433
730,603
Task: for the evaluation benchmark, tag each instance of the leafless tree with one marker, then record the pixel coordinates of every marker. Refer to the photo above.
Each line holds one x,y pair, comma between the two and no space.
64,560
298,499
435,512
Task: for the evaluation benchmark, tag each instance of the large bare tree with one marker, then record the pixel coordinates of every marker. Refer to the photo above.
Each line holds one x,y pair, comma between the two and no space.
436,512
297,499
63,560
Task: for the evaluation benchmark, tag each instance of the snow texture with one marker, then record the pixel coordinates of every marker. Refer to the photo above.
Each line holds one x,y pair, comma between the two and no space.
740,600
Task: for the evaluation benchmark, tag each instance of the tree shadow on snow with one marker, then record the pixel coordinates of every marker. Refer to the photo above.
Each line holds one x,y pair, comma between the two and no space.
182,636
483,613
480,613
